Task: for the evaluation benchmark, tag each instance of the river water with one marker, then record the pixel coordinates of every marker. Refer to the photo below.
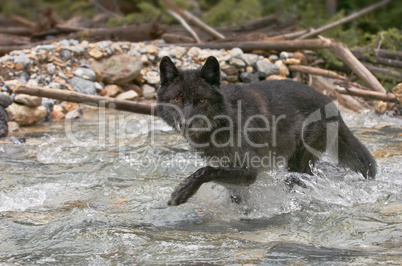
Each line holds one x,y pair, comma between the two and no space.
95,190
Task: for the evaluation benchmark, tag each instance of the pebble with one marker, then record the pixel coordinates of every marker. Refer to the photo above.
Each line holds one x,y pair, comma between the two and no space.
85,73
112,90
96,54
28,100
239,63
51,68
251,59
266,68
127,95
152,77
22,61
5,99
284,55
229,70
237,53
148,92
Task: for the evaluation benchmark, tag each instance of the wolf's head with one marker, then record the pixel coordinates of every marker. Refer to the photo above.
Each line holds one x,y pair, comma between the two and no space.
189,100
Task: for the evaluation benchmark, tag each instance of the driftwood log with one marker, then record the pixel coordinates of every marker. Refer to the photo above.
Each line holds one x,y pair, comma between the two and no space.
76,97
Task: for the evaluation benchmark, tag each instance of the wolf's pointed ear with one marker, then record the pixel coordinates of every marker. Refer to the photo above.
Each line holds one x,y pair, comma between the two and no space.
168,71
211,71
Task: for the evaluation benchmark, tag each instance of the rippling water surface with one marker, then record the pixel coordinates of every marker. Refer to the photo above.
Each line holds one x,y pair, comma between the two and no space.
94,191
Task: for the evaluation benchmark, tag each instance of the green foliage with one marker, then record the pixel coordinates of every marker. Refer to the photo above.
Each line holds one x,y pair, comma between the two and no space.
228,12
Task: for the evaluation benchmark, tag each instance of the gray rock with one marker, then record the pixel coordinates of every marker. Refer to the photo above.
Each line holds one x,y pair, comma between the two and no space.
239,63
47,47
152,77
65,54
82,85
237,53
78,49
73,42
251,59
273,58
49,104
248,77
24,77
5,99
284,55
99,86
54,85
64,43
25,61
163,53
85,73
266,68
148,92
51,68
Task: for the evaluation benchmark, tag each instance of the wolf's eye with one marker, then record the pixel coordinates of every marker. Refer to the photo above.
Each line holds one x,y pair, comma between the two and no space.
202,100
176,100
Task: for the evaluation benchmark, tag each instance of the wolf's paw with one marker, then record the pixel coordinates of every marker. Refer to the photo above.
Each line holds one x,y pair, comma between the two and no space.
184,191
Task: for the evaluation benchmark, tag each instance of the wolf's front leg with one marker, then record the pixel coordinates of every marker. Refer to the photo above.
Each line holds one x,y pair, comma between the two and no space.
227,175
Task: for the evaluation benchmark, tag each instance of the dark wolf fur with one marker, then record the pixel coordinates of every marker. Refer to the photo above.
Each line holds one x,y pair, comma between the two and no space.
285,104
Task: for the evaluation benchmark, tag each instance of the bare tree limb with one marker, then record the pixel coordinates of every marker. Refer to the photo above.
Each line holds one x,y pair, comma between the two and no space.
367,94
185,25
361,71
193,20
103,9
76,97
316,71
345,19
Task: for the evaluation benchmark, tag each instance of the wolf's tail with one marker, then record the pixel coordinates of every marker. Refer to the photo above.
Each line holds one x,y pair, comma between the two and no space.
353,154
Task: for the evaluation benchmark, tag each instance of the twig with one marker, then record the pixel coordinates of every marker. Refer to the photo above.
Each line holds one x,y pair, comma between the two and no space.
72,96
185,25
345,19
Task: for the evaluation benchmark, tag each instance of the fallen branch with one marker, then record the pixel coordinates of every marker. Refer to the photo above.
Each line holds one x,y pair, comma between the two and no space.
384,71
361,71
377,59
345,19
367,94
185,25
316,71
280,45
326,87
193,20
76,97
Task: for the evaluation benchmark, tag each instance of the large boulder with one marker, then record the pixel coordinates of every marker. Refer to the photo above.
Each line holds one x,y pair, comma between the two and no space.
117,69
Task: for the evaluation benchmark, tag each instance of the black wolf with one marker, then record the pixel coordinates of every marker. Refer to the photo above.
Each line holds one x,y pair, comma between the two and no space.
242,128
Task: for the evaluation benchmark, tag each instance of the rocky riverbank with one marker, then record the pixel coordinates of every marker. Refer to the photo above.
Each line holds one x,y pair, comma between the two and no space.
123,70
